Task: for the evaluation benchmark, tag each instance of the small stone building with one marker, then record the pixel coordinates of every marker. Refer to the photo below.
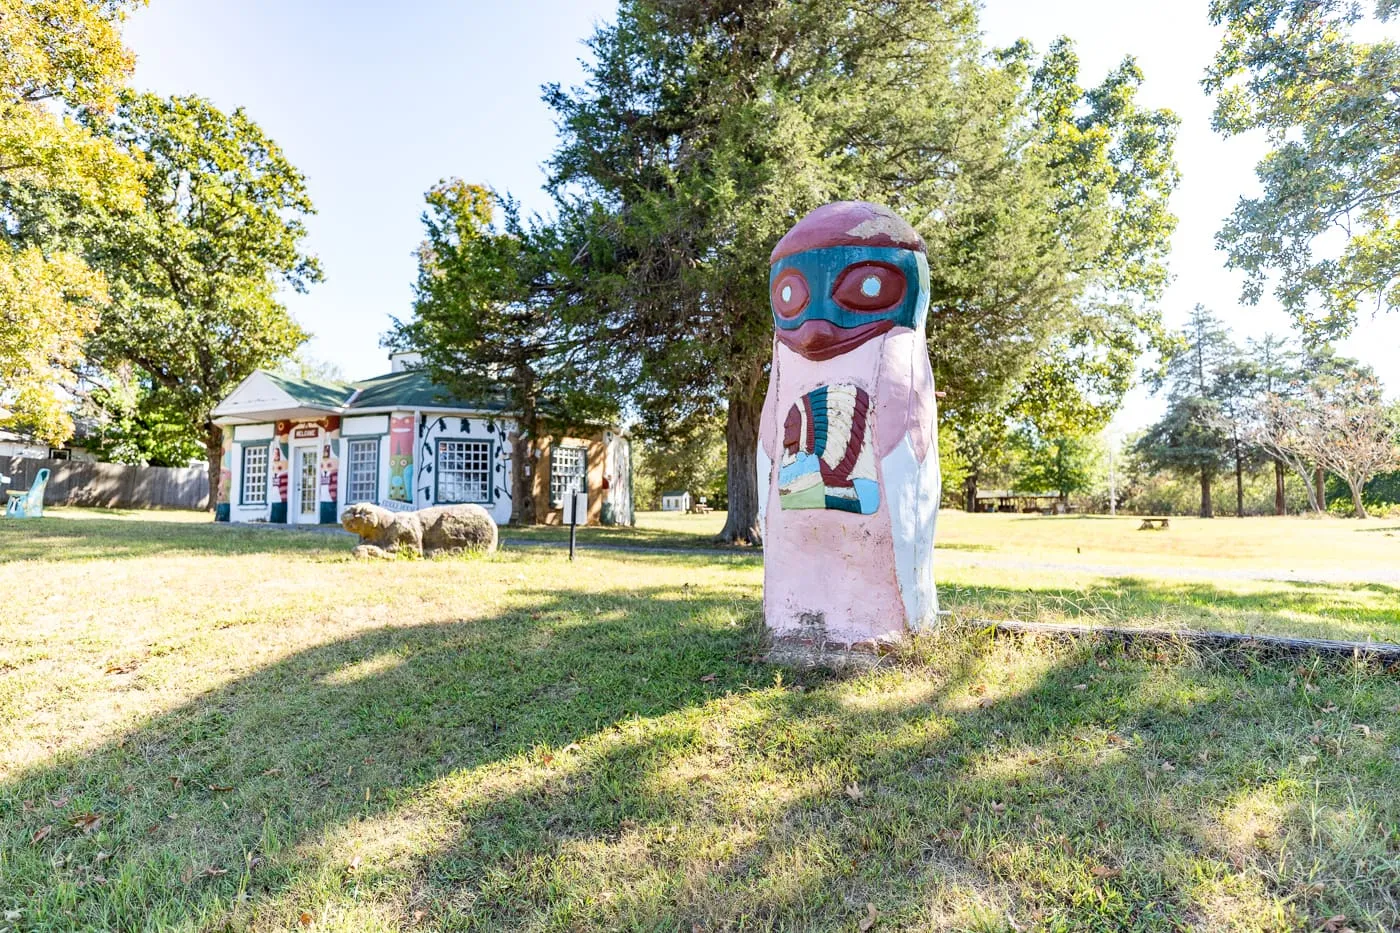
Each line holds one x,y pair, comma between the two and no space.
298,451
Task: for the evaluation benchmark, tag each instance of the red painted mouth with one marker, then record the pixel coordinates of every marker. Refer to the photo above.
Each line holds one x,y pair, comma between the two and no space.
821,340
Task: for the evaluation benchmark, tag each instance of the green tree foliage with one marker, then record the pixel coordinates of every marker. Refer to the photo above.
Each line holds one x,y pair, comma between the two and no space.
1277,371
493,317
706,129
136,421
1065,464
1326,225
692,461
194,272
59,60
1189,439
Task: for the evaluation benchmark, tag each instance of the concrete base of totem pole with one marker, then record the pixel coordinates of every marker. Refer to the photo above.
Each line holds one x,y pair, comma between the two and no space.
803,652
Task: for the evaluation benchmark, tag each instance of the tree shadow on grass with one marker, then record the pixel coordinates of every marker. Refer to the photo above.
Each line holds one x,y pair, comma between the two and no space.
59,539
618,760
1354,611
951,802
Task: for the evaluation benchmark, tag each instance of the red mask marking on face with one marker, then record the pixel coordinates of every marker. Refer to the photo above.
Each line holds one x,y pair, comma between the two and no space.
821,340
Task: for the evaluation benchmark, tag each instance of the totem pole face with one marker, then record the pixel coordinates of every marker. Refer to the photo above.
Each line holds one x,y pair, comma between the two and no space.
847,273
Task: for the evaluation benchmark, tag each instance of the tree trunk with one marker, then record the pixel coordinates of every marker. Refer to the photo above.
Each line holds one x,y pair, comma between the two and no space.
525,454
741,454
970,492
1358,507
1207,509
522,481
214,452
1280,500
1320,481
1239,481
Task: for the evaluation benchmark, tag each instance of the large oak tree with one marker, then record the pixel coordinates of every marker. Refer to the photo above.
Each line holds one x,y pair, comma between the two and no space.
194,271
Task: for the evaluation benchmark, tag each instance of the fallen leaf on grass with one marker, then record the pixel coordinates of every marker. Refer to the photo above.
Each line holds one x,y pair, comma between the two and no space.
1168,766
87,822
220,788
853,791
868,921
304,919
214,871
354,865
1330,708
1103,872
998,808
1363,729
1336,924
708,679
176,783
1081,686
58,803
125,668
272,772
40,834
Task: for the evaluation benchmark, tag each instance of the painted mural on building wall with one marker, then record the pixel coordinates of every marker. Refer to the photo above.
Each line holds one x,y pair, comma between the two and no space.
434,429
401,458
848,438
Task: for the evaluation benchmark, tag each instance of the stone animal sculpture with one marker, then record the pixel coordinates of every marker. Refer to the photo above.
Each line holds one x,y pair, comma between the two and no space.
442,529
848,455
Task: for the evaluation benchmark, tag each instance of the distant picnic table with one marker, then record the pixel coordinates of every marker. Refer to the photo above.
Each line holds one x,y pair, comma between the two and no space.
1148,524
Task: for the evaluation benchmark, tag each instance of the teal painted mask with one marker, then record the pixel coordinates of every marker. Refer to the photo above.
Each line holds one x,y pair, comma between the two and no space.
831,299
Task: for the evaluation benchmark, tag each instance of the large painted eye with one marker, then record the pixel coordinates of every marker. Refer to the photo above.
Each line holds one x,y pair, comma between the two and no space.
870,286
789,293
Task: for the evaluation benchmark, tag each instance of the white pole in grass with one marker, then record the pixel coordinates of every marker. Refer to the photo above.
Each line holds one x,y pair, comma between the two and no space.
1112,481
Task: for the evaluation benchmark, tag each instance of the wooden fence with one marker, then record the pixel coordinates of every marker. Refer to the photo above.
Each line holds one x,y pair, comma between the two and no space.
112,485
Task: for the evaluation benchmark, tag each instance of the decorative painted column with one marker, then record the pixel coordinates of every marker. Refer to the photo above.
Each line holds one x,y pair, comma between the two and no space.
848,458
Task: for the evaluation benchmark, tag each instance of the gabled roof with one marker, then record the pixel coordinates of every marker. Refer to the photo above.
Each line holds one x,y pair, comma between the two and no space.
314,393
413,389
266,396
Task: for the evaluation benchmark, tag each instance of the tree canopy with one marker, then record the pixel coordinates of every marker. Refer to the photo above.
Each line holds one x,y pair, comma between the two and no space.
195,269
705,130
62,60
1190,439
493,317
1326,225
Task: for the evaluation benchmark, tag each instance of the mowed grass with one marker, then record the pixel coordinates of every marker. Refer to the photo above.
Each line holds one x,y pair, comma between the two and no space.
222,728
1304,577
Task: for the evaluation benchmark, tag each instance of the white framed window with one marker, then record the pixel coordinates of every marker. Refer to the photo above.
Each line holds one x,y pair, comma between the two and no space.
568,473
463,471
362,471
253,488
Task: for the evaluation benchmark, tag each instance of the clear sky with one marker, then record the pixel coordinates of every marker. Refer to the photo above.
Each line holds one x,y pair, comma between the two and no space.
376,106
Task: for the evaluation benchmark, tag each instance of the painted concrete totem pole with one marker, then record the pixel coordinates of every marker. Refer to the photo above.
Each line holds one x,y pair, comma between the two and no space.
848,441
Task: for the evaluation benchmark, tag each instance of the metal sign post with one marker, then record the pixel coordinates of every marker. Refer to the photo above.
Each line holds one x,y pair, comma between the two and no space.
575,506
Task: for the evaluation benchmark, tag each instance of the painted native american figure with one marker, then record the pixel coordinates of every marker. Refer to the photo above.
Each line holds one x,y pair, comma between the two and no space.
848,459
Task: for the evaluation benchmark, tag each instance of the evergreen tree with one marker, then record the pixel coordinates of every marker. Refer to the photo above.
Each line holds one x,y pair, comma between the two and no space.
705,130
1190,438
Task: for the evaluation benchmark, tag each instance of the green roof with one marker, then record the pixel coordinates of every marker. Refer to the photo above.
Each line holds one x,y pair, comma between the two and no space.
314,393
413,389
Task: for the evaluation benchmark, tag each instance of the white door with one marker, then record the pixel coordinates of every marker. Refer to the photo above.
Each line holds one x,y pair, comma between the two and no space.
305,508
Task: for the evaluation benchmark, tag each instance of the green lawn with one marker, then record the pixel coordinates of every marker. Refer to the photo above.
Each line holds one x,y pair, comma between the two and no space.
221,728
